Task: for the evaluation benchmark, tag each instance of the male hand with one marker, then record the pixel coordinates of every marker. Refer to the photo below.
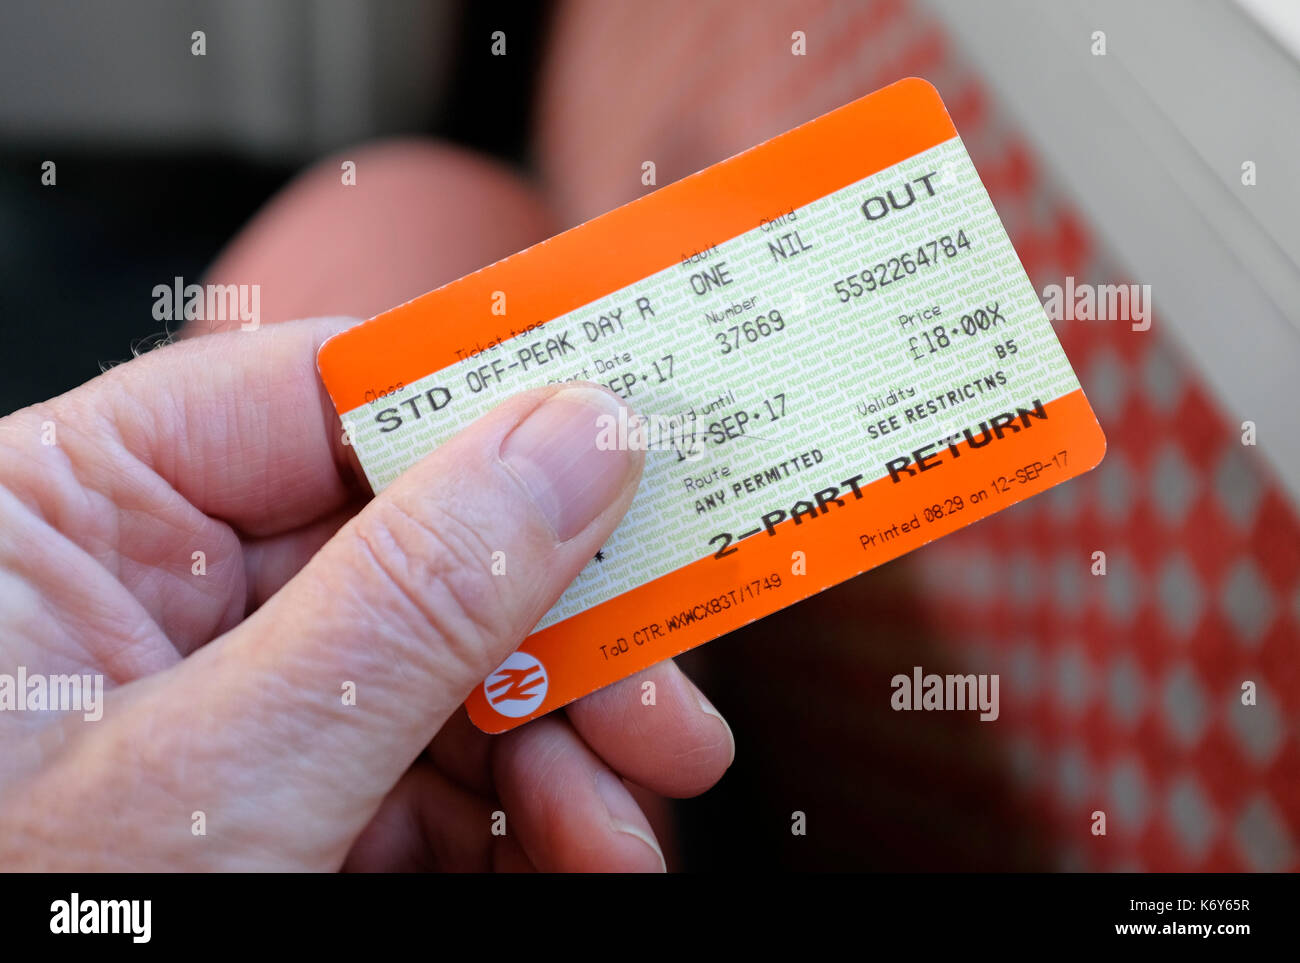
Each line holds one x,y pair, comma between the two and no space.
225,671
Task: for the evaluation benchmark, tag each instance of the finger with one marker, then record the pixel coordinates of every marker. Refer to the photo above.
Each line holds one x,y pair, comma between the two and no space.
239,424
661,813
674,743
567,809
667,738
270,562
403,604
185,450
464,752
432,820
509,857
428,823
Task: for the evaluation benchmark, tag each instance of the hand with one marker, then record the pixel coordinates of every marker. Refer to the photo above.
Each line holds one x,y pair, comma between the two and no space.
187,526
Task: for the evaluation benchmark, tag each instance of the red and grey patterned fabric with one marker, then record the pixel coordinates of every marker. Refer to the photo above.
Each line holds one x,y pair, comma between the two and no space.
1120,692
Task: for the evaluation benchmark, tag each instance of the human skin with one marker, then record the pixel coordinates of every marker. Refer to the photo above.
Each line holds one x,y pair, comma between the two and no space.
224,688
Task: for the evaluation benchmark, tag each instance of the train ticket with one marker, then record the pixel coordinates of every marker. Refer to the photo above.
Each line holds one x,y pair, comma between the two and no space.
833,353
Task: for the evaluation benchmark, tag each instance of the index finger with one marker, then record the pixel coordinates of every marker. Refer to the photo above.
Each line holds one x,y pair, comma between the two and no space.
238,423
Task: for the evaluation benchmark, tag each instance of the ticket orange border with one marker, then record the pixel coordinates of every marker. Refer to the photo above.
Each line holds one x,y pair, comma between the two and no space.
569,649
641,238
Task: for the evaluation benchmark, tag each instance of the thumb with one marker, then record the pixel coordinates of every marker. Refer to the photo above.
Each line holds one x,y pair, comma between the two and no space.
403,603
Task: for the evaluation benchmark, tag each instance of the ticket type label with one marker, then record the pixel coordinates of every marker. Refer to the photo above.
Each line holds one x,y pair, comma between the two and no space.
834,353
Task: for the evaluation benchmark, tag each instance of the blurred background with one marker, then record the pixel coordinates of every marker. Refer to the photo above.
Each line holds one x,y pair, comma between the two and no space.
1153,143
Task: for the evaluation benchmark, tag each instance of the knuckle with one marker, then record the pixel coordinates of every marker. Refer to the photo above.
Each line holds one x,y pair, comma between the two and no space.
437,569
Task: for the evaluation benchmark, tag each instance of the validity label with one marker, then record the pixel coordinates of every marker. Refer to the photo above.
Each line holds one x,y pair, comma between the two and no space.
834,353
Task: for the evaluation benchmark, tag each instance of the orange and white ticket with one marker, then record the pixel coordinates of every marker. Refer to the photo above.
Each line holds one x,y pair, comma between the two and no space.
834,353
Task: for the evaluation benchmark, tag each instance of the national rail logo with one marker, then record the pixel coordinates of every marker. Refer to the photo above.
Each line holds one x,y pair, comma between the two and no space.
518,686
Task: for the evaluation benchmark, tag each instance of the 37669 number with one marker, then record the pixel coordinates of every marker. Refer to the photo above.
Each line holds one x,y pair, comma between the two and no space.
751,331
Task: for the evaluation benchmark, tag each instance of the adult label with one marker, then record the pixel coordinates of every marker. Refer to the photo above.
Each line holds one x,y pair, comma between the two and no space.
835,353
